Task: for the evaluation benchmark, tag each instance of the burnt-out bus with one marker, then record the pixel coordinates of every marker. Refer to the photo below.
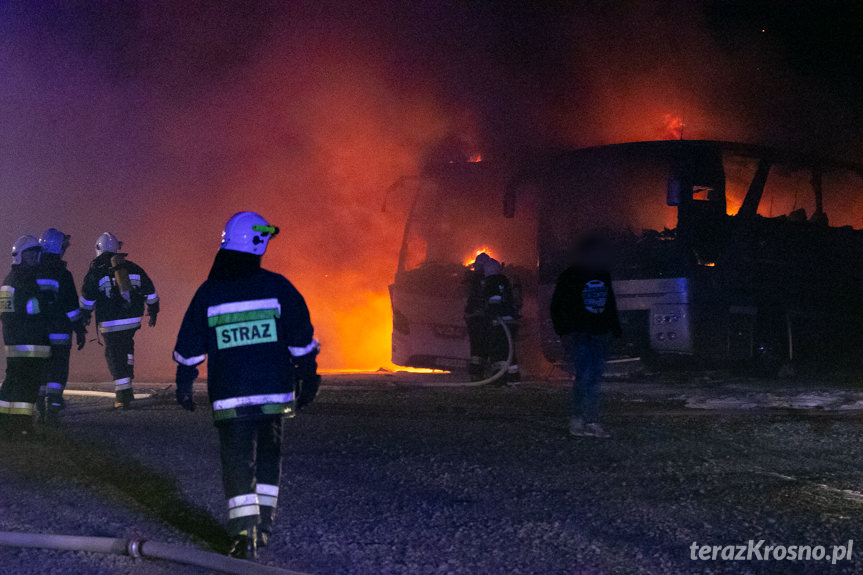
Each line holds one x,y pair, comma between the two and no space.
722,251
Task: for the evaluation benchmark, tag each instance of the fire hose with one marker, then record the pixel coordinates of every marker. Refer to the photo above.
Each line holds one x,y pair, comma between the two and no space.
491,379
137,548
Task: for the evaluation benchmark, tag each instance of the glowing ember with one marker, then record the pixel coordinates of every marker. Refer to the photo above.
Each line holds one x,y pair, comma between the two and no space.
468,261
674,127
475,158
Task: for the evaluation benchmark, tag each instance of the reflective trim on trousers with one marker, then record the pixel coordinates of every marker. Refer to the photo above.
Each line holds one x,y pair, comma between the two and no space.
268,495
48,285
152,298
16,407
120,324
234,402
60,338
42,351
87,303
74,315
305,350
189,361
243,506
123,383
55,387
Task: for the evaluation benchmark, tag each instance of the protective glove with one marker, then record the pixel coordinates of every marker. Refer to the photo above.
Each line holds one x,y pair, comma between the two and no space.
153,311
306,390
80,335
186,400
186,376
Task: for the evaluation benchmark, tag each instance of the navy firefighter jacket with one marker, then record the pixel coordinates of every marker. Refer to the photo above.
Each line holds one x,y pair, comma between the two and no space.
250,329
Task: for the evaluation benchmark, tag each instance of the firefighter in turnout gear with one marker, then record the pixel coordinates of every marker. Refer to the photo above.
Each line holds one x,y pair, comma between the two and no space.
25,334
475,318
118,290
501,307
490,301
254,329
64,319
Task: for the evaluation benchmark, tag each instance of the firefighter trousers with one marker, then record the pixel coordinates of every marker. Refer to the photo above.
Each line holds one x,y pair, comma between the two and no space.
251,454
20,390
120,354
499,349
477,333
56,376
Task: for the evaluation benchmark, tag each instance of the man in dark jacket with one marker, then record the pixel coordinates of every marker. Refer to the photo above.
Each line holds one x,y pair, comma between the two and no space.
64,318
25,335
253,327
118,289
584,314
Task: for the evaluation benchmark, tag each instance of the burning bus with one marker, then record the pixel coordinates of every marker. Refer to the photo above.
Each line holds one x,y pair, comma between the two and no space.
723,251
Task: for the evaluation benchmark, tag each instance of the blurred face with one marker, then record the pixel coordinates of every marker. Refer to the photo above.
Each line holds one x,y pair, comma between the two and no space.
30,258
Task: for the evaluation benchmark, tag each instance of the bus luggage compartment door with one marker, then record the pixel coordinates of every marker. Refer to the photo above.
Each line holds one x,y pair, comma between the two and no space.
670,328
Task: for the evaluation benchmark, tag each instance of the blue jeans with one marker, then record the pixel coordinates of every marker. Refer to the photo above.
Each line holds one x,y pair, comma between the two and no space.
586,354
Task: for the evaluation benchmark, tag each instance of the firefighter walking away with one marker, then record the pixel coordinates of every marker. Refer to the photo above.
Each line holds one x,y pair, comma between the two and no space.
118,290
253,328
25,335
64,319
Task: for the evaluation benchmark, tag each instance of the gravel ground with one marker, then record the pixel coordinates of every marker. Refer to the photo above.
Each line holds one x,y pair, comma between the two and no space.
385,478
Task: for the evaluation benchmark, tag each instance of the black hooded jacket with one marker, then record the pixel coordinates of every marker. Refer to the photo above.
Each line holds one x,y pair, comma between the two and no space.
584,302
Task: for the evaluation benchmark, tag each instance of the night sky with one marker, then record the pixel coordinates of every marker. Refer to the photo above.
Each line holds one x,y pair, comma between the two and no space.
158,120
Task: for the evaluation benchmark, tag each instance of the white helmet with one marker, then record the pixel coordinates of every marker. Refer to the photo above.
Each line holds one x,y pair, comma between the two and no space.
53,241
21,245
247,232
107,242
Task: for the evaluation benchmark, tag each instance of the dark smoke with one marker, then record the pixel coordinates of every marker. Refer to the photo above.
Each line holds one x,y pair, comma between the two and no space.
157,120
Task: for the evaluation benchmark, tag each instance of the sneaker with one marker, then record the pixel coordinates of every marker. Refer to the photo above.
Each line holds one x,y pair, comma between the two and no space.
576,427
245,545
595,430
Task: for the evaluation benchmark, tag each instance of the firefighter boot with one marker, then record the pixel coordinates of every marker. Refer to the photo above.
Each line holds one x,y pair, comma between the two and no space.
54,405
40,406
246,544
124,399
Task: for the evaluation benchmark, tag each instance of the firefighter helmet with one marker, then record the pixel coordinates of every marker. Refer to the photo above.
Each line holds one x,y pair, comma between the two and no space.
491,267
53,241
247,232
107,242
21,245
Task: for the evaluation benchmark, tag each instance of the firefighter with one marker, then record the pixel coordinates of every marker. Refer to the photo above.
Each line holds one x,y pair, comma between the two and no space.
476,319
118,290
501,309
64,318
25,334
254,328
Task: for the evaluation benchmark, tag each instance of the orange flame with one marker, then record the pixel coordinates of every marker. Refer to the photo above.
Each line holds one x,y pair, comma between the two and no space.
469,260
475,158
674,127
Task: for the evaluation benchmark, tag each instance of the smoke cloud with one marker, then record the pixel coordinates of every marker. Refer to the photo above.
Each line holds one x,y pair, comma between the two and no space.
158,120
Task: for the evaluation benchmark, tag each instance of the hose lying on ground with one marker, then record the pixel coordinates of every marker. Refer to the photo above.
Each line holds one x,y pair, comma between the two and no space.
141,548
494,377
